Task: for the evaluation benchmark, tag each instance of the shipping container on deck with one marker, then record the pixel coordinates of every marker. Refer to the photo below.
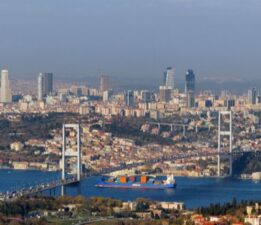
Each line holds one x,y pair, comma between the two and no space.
132,178
123,179
143,179
137,179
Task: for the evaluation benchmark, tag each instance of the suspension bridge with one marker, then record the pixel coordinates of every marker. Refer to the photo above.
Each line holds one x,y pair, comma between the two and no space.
69,180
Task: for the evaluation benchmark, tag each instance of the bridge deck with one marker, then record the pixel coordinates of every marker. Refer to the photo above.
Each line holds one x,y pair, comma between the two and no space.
37,189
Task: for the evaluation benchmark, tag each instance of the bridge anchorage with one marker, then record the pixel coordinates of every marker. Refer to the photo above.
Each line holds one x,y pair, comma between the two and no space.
227,131
69,152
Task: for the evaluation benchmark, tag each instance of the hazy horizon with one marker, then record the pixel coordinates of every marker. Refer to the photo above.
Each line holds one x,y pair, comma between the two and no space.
131,39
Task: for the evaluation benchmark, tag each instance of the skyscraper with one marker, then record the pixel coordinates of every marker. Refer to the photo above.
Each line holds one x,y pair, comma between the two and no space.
169,78
45,85
104,83
258,99
190,81
107,95
129,98
252,95
164,94
190,88
146,96
5,88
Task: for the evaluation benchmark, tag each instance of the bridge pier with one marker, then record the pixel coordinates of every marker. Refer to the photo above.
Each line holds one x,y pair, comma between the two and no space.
63,153
79,164
230,165
230,145
218,167
225,133
63,191
78,154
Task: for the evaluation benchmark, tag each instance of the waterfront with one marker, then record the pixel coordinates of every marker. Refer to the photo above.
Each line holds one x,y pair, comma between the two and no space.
194,192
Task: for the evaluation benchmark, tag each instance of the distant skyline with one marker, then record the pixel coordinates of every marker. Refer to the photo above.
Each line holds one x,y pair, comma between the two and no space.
131,39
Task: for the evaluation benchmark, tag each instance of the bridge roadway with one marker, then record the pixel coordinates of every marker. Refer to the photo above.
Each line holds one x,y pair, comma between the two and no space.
72,180
36,189
171,125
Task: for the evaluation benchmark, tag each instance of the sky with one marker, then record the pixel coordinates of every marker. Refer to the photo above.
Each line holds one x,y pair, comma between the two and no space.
131,40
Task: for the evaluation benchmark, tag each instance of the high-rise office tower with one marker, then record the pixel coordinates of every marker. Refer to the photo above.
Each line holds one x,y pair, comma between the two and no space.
45,85
190,81
190,88
190,99
252,95
230,103
129,98
104,83
258,99
5,88
146,96
169,78
107,95
164,94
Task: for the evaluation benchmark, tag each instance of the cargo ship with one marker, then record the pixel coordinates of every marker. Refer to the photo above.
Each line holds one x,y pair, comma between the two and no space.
144,182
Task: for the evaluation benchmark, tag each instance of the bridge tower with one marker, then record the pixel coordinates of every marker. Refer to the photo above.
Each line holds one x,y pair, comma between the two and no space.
225,133
77,154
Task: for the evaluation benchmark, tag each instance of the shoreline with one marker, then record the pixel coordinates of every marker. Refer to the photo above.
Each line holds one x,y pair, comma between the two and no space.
29,169
207,177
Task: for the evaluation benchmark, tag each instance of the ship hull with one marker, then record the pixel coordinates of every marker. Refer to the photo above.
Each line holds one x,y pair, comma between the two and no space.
134,185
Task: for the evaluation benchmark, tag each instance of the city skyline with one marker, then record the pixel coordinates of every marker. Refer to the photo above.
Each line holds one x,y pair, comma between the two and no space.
130,112
212,37
237,87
